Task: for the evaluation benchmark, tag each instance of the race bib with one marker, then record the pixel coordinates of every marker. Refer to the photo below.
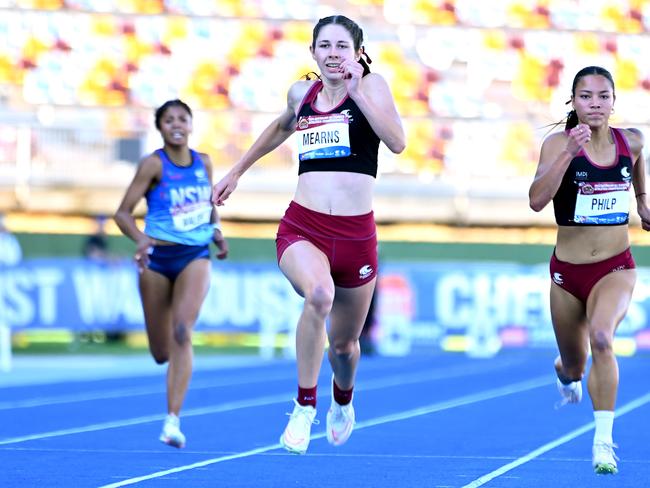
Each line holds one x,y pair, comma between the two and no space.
323,136
190,216
602,203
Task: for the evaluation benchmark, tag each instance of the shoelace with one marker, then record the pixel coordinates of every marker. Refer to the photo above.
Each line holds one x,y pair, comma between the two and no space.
560,403
606,446
303,412
339,414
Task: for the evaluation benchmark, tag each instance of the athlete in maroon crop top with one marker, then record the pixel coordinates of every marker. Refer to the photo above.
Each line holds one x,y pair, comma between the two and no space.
326,241
587,170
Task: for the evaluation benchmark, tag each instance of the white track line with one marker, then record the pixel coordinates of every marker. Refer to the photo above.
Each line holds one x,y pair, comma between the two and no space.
633,405
395,380
131,392
223,407
407,414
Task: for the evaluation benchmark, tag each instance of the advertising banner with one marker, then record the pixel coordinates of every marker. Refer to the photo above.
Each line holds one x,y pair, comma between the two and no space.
475,307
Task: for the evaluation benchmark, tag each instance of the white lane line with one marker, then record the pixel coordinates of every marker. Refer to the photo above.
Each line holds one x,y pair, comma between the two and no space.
135,391
633,405
395,380
384,419
223,407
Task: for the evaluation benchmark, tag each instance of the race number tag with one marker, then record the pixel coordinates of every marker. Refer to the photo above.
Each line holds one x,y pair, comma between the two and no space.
190,216
323,136
602,203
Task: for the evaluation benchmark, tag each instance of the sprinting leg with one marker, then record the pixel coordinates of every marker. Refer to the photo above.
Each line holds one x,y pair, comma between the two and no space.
347,318
606,307
190,288
571,334
308,271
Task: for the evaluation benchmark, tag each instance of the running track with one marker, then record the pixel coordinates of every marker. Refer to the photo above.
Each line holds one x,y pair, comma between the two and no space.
426,420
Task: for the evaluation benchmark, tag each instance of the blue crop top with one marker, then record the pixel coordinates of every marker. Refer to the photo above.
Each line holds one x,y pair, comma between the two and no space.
179,206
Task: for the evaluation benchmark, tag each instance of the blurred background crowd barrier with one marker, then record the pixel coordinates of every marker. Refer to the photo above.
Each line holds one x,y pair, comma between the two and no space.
477,84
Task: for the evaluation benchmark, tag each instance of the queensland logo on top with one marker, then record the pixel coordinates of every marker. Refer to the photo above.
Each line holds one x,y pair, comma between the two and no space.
587,189
303,123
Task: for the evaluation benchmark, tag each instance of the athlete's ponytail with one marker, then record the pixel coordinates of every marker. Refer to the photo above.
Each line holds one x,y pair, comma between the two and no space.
571,120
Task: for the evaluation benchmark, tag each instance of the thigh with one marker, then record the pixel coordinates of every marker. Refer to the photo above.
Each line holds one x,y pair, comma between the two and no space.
609,300
306,266
156,296
349,312
190,288
569,323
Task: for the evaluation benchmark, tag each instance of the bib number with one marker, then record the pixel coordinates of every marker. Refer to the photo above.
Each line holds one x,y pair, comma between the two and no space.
191,216
602,203
323,136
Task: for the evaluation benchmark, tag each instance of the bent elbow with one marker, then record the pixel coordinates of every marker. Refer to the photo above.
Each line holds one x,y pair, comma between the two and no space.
397,147
119,217
536,205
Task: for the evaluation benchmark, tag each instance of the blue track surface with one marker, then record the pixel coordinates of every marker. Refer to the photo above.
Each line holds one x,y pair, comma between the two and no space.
436,421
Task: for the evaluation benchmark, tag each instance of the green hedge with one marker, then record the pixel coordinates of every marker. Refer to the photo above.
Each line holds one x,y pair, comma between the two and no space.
259,250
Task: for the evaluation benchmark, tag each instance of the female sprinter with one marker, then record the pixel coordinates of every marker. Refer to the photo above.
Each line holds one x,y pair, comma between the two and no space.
172,252
587,171
326,241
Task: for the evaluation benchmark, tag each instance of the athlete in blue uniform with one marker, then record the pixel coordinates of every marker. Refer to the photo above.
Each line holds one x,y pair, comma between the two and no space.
587,171
326,241
172,252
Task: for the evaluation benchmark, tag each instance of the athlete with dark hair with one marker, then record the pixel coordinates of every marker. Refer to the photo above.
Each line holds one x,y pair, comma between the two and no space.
326,241
587,171
172,252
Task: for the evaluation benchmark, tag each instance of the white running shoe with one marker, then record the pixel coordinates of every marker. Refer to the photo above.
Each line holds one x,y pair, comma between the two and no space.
604,459
171,433
295,437
571,393
340,421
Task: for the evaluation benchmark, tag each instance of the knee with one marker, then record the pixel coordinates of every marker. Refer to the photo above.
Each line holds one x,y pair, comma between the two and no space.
344,349
182,334
601,342
160,357
319,300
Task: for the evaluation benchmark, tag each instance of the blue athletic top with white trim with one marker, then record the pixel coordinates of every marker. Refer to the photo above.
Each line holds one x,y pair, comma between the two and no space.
179,206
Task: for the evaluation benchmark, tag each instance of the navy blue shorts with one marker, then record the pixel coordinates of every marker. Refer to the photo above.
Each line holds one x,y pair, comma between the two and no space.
171,260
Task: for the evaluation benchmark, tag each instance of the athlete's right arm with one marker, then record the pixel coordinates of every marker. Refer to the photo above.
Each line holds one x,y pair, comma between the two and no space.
149,172
555,156
275,134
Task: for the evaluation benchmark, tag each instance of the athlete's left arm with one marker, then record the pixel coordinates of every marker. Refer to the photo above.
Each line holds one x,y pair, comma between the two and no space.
218,238
376,102
635,141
